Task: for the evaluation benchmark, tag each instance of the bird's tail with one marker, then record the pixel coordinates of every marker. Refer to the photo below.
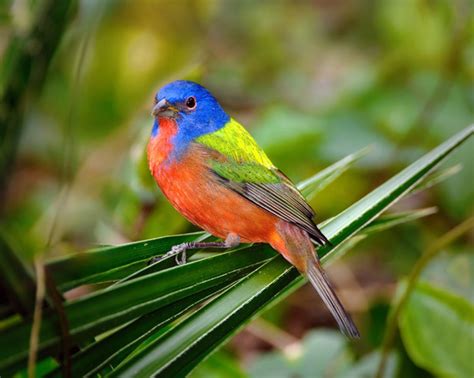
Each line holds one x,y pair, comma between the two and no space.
320,282
295,245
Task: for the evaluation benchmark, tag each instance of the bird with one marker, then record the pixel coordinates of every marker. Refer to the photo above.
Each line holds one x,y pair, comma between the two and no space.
215,174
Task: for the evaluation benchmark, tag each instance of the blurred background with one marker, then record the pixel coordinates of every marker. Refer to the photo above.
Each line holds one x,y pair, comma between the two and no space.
313,81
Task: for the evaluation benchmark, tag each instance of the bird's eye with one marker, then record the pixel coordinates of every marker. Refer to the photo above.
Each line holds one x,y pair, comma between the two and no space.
191,102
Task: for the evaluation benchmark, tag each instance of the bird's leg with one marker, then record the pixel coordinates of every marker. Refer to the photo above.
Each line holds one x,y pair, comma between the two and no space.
179,250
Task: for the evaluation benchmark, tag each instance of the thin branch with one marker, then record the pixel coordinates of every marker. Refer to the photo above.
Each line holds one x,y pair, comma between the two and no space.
37,315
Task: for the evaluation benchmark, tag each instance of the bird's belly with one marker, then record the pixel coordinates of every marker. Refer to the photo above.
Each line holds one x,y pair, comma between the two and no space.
196,194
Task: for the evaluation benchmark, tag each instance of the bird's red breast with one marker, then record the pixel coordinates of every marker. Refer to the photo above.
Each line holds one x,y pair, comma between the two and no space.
161,145
196,193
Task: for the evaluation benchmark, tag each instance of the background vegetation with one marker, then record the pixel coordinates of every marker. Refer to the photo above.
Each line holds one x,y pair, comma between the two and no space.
314,81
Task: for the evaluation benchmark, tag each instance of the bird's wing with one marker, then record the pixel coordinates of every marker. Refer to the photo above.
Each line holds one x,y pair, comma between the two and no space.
241,165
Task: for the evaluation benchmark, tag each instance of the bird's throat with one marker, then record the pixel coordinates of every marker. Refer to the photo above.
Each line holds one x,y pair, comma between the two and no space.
161,146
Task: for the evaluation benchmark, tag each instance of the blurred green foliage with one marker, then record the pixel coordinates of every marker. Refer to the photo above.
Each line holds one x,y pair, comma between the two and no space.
312,80
323,353
442,298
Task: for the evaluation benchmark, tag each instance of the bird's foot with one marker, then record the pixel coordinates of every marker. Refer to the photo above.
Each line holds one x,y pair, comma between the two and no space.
179,251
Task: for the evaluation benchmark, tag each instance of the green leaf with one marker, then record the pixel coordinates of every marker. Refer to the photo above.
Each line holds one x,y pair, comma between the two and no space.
382,223
123,341
177,352
206,325
107,309
363,211
164,262
111,263
452,272
390,220
436,177
436,324
436,328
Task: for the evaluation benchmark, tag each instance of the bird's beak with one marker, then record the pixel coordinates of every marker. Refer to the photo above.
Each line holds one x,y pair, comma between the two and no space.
164,109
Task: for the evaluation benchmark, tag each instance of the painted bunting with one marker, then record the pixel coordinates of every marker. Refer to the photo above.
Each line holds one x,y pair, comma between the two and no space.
214,173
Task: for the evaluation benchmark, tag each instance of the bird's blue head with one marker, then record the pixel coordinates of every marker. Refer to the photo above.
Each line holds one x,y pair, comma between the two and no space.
193,108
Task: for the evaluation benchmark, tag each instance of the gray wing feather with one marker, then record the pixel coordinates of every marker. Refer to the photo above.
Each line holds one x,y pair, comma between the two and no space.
281,199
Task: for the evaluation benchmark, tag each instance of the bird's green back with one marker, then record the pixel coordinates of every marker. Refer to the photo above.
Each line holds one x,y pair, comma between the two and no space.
245,160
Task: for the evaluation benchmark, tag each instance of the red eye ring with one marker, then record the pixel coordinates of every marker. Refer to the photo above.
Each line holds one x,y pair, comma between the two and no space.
191,102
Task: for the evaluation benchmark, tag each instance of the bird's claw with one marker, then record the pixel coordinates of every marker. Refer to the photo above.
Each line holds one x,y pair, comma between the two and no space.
181,258
179,251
